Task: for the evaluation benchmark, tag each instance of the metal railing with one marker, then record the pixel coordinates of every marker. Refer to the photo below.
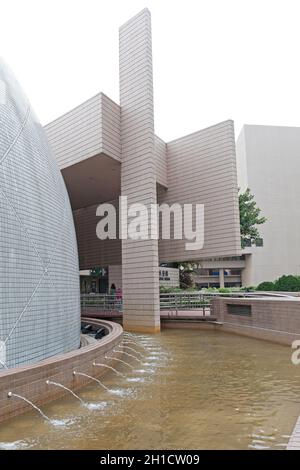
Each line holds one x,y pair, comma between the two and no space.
172,302
178,301
101,302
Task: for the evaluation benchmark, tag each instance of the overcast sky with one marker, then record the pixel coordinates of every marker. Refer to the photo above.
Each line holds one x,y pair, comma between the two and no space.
213,59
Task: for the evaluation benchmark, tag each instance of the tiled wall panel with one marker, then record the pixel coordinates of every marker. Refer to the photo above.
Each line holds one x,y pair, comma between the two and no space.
275,320
138,171
87,130
202,170
160,151
39,284
94,252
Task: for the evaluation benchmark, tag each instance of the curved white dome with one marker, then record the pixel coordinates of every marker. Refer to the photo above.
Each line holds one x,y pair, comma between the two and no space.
39,273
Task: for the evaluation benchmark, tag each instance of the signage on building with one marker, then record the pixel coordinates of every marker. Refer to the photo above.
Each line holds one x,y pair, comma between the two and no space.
164,275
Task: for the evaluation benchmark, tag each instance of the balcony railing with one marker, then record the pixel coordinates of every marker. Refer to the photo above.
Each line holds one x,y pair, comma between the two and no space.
184,301
170,302
101,302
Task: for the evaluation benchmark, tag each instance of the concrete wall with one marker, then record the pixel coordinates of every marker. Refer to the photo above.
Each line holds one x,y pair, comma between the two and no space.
91,128
275,320
202,169
160,152
115,276
94,252
268,163
138,171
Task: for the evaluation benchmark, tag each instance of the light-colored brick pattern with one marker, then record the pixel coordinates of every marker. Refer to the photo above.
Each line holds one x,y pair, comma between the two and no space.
30,381
275,320
90,129
160,152
202,170
94,252
138,172
39,284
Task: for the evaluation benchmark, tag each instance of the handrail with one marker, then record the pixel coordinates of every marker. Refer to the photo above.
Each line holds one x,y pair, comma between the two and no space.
168,301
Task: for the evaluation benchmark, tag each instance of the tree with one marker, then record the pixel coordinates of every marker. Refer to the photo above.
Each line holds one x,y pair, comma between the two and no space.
288,283
249,218
185,275
266,286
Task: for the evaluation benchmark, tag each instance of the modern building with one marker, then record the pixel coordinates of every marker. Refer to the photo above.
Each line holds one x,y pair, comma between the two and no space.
268,161
105,149
39,288
219,272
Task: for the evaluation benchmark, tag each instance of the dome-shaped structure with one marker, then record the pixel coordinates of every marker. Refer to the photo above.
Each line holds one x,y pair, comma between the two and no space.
39,274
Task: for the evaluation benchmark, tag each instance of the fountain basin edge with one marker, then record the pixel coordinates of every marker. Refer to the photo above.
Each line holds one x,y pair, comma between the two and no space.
30,380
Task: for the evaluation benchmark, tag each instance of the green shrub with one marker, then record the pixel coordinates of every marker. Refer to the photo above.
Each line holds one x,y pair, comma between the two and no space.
288,283
169,290
224,290
266,286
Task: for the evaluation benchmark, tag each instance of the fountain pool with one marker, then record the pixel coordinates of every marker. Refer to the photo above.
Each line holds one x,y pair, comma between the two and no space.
199,390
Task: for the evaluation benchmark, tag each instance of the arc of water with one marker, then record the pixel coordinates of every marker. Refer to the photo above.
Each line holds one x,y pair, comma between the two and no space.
129,355
119,360
56,384
98,364
92,378
134,336
134,350
127,341
10,395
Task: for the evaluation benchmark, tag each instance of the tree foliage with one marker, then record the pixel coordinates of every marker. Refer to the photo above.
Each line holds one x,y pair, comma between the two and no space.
266,286
185,275
249,217
285,283
185,280
97,272
288,283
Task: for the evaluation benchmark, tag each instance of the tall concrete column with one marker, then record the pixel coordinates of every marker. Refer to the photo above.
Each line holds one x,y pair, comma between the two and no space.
221,277
140,277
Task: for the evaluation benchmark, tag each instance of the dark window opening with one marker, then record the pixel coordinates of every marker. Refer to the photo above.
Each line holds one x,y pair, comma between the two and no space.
236,309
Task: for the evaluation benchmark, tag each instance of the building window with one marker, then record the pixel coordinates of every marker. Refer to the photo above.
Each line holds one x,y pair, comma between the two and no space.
236,309
259,242
235,272
214,272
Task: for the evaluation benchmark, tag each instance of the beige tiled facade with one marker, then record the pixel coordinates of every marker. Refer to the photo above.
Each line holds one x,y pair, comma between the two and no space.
106,150
275,319
138,171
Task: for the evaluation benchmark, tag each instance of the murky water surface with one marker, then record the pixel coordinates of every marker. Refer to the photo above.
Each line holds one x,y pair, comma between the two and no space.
191,390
